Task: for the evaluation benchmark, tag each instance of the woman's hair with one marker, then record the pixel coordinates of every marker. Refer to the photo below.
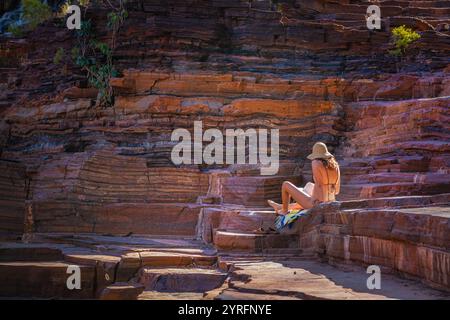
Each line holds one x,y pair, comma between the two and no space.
330,163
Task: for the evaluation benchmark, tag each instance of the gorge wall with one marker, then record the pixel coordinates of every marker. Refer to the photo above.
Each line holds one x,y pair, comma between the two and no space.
14,187
308,68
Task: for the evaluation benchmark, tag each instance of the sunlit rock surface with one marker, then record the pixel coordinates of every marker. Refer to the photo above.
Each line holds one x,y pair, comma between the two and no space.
97,187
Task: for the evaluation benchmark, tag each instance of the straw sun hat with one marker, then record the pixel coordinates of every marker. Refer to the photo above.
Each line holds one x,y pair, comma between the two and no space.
320,151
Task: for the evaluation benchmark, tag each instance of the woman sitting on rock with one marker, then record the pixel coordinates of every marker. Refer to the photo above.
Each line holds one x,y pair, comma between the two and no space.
327,183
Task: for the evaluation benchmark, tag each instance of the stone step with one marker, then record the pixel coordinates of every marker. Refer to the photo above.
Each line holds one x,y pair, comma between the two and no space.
180,279
380,190
283,251
354,171
155,295
122,291
102,241
44,280
232,218
174,259
227,258
245,220
112,262
255,242
398,202
310,279
395,177
29,252
117,219
131,262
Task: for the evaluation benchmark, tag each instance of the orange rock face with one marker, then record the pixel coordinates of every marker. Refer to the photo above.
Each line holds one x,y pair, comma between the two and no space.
312,70
410,241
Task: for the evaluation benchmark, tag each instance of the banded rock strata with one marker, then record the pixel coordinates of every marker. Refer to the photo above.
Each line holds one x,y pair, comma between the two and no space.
72,171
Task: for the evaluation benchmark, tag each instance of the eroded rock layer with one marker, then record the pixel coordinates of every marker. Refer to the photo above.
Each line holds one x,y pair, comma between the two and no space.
310,69
13,192
412,241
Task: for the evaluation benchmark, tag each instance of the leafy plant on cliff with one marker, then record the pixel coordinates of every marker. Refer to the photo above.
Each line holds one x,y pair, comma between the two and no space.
34,13
62,12
59,55
402,38
96,57
15,30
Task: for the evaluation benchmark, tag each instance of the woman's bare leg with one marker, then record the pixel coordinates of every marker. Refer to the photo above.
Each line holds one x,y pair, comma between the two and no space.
289,190
309,187
277,206
285,197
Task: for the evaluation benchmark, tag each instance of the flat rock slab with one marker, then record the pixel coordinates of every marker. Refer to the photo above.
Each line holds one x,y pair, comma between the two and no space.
181,279
315,280
438,211
14,251
112,260
128,243
175,259
121,291
256,242
43,280
155,295
398,202
232,294
128,240
91,258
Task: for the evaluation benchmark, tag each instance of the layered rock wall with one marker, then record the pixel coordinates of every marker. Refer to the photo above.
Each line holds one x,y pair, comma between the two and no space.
85,159
408,149
88,161
308,68
411,241
308,38
13,193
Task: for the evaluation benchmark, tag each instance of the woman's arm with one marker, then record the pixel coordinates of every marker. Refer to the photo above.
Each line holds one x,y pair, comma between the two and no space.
338,184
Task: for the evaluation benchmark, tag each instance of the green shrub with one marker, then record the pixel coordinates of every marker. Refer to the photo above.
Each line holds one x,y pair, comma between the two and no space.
35,12
62,10
59,55
402,38
15,30
84,3
96,57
